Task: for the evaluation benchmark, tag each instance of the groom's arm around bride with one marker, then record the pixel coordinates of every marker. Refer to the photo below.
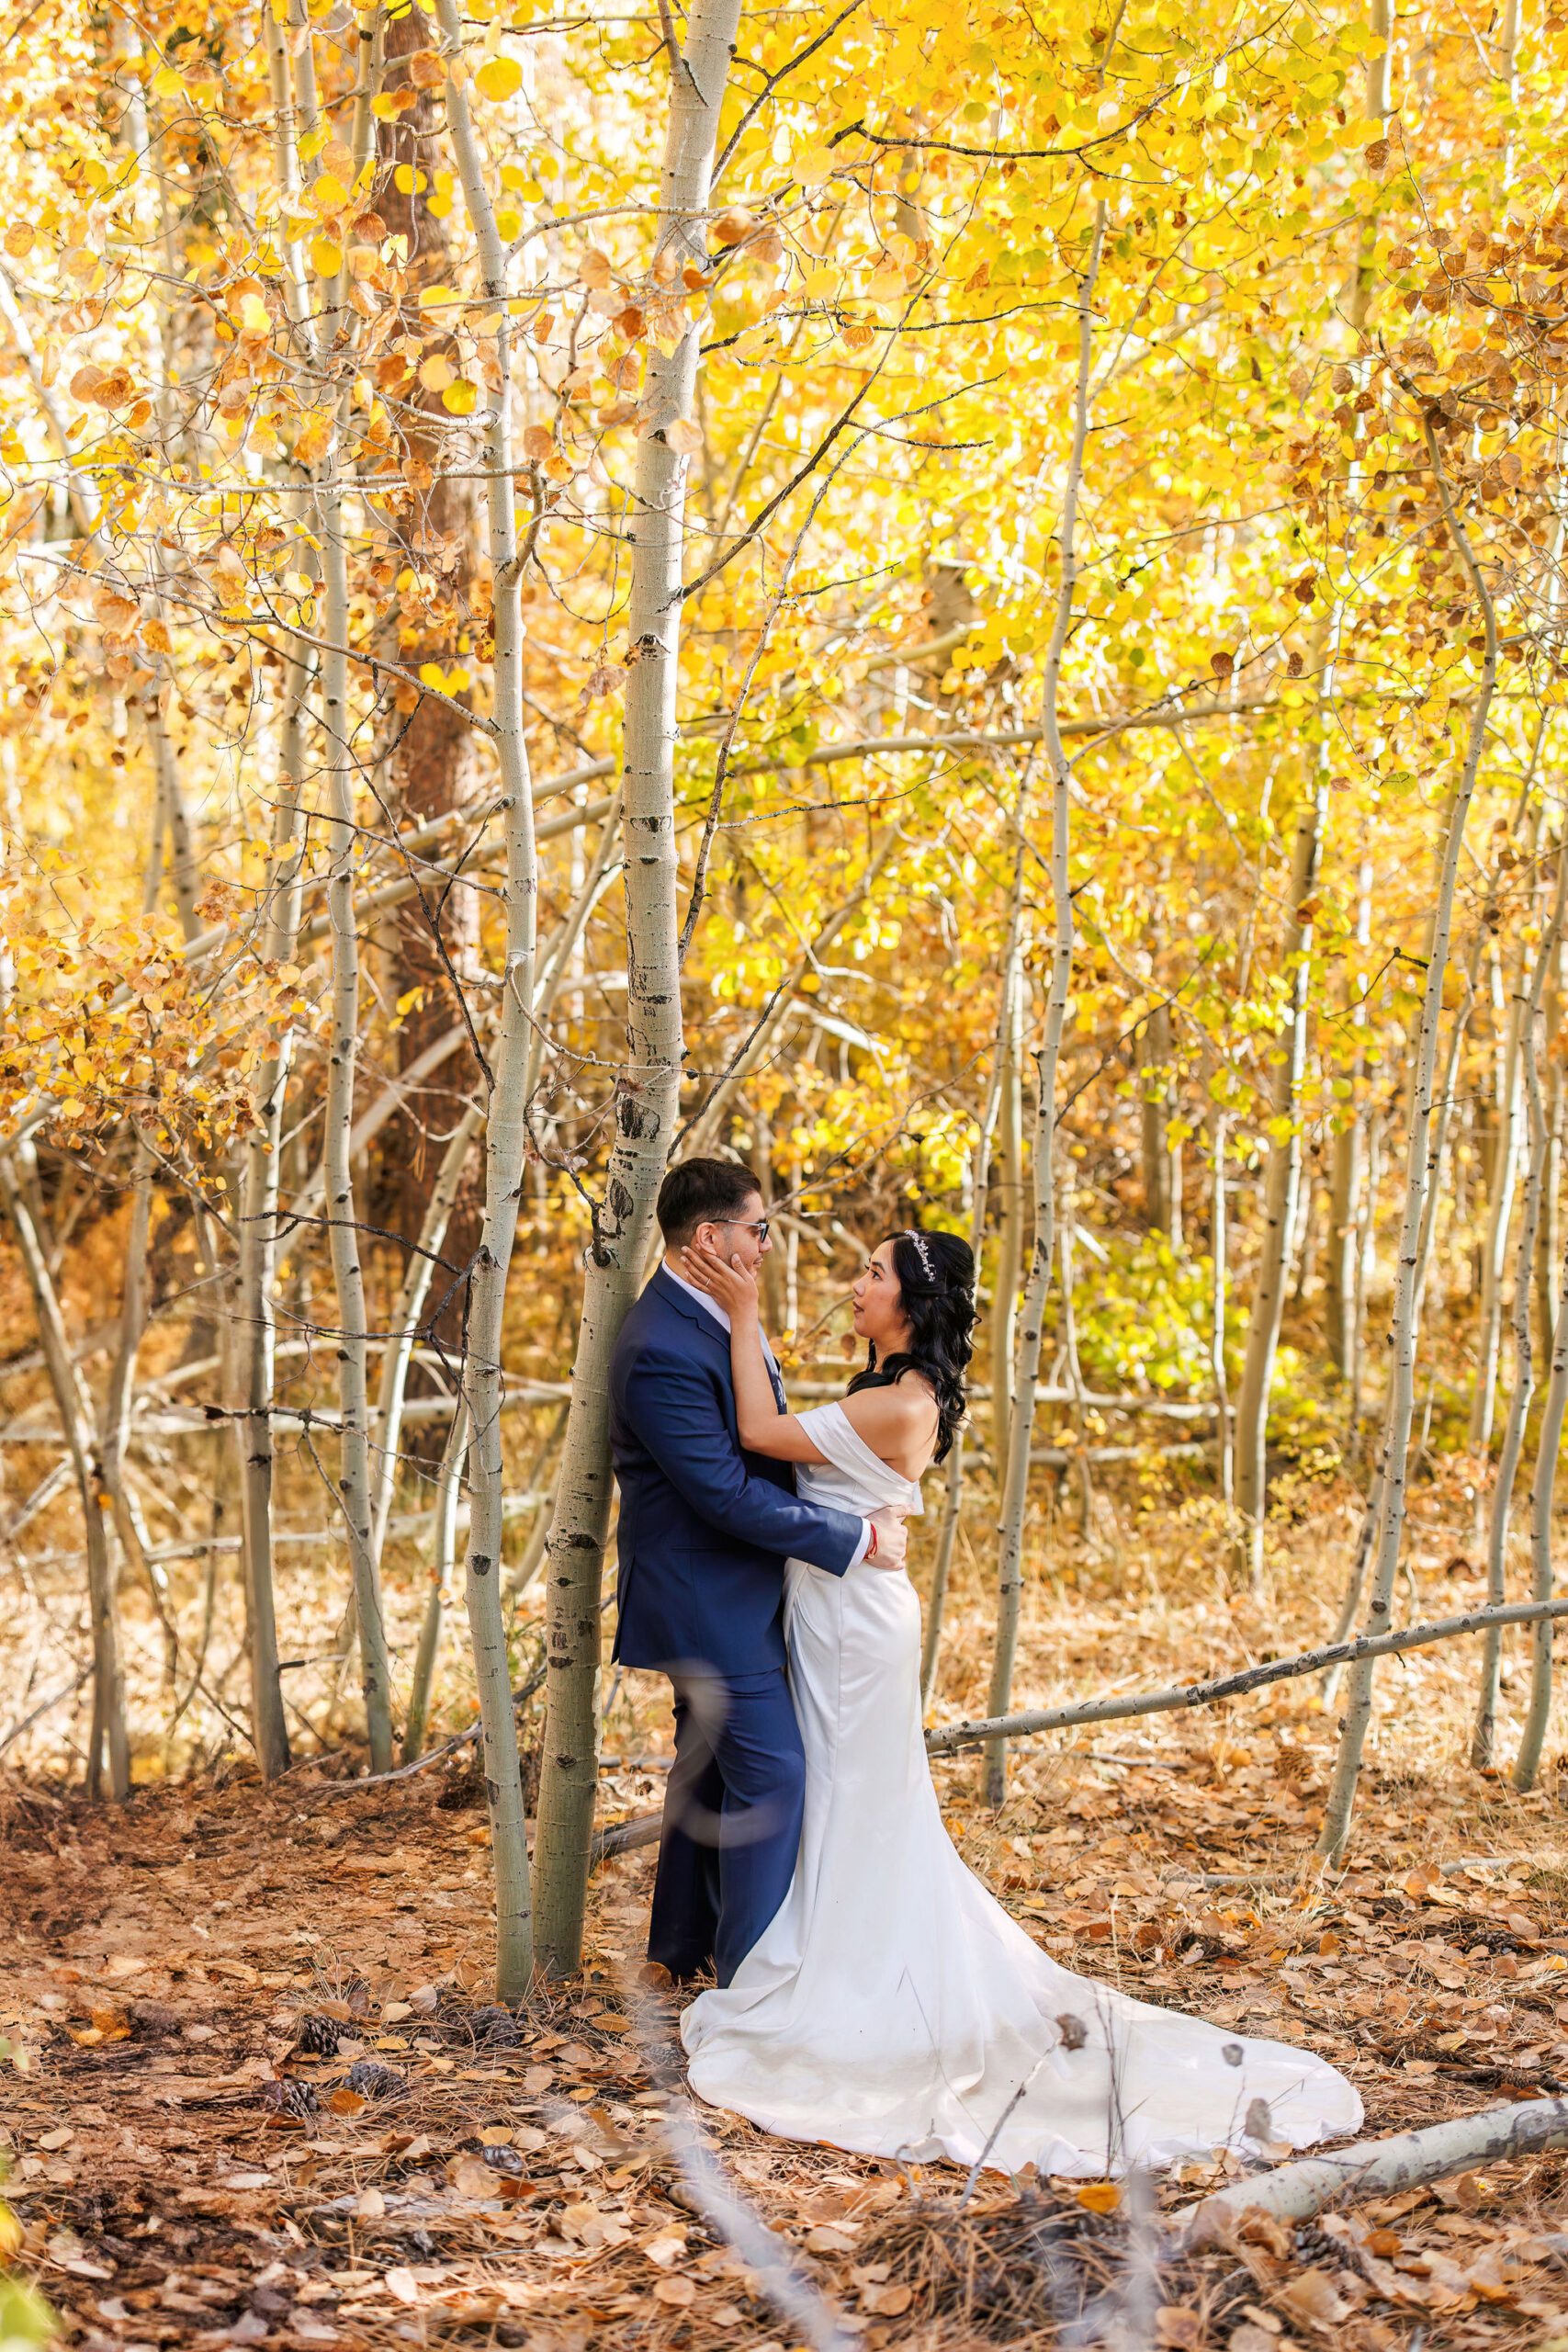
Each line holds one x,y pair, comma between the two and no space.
705,1532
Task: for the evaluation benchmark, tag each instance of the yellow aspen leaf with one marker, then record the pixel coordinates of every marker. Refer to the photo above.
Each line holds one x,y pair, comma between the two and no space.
1099,2196
498,78
508,224
326,259
815,168
460,399
407,181
385,108
19,239
311,444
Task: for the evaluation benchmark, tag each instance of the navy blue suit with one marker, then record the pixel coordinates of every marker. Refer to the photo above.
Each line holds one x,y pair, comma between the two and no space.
705,1530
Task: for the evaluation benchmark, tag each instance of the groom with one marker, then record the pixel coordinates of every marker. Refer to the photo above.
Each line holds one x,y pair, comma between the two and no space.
705,1532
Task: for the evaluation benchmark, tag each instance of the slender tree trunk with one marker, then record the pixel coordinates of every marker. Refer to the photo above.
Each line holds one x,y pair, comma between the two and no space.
116,1418
108,1746
1426,1246
1220,1235
1526,1763
1283,1177
1548,1247
262,1153
1066,1226
255,1333
338,1189
1007,1126
1485,1734
1153,1055
1015,1502
506,1126
952,1504
1523,1028
648,1100
1348,1168
1010,1231
442,1554
1493,1255
403,1330
1405,1334
1366,1262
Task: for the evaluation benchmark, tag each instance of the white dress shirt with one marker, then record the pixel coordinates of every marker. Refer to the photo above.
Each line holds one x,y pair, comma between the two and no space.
721,1316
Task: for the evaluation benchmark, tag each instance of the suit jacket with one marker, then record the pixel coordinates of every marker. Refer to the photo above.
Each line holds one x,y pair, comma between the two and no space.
704,1527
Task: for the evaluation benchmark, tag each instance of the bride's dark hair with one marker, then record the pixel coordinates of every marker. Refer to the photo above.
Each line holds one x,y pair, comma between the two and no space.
936,1291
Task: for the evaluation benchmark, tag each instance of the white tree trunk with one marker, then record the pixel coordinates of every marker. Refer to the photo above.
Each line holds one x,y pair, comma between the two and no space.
507,1125
1495,1249
1483,1736
443,1553
1533,1738
108,1745
953,1506
1009,1188
1373,2167
256,1332
1404,1337
337,1185
1282,1181
404,1328
650,1094
1015,1502
1350,1169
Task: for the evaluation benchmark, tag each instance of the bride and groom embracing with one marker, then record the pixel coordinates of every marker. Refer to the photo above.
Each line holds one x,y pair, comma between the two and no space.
869,1992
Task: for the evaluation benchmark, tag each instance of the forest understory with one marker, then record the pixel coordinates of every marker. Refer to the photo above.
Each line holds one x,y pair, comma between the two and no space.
258,2090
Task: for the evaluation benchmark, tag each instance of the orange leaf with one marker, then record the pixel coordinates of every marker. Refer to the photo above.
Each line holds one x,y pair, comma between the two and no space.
1099,2196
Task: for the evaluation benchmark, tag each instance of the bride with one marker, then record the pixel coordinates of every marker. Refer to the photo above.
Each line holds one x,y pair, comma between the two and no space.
892,2006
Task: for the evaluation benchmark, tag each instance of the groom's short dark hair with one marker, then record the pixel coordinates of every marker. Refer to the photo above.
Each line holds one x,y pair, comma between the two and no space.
700,1192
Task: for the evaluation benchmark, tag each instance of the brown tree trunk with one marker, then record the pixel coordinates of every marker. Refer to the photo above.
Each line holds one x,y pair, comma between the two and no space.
432,766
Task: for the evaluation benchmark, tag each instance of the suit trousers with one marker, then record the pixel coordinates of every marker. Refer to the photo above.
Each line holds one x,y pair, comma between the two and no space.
732,1816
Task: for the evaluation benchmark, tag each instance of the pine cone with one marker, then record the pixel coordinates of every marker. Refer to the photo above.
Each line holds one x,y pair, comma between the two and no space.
318,2036
370,2079
1317,2248
506,2160
494,2029
290,2095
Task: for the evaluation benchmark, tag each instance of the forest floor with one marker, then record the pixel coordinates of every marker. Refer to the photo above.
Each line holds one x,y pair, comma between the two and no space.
185,2172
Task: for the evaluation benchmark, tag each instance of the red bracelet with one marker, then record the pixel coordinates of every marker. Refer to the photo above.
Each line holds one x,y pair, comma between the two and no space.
870,1553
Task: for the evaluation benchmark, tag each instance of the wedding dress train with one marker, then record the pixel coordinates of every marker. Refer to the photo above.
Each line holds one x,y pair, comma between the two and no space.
892,2006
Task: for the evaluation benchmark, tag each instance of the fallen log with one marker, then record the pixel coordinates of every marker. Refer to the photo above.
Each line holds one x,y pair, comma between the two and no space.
1234,1686
1374,2168
644,1829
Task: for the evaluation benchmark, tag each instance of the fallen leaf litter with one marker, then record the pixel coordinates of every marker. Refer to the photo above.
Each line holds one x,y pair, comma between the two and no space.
258,2097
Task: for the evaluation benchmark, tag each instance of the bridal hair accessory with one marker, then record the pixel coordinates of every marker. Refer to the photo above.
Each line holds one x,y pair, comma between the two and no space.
923,1253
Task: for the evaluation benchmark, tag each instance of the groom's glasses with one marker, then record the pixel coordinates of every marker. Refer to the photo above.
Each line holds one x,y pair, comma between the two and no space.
760,1227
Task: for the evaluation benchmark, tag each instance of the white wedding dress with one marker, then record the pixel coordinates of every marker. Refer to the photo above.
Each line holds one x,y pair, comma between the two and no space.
892,2006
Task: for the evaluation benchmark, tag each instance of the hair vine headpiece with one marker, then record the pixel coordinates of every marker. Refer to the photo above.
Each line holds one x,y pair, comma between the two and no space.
923,1253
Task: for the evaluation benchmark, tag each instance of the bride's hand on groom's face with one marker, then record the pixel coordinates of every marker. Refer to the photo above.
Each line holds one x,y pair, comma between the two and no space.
726,1280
